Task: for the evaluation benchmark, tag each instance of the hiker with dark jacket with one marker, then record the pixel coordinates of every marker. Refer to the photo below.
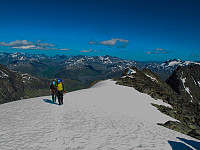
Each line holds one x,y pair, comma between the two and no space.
53,90
60,91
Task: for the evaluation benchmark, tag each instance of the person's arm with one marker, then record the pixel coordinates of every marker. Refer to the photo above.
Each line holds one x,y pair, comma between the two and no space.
63,88
50,87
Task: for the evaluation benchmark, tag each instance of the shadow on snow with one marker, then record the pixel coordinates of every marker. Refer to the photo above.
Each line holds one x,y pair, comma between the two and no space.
49,101
182,146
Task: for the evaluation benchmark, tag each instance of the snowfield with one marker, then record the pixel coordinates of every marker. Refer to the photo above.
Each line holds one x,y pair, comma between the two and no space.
104,117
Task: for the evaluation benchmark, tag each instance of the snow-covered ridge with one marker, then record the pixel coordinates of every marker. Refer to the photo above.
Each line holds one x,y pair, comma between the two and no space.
27,76
114,63
186,88
194,80
14,55
131,71
107,116
178,62
152,78
3,74
23,56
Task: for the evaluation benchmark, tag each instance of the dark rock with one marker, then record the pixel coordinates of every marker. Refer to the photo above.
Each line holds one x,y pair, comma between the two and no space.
195,134
11,85
177,126
186,82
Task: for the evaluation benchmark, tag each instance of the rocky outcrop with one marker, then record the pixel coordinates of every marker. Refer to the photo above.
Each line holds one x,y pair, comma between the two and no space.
148,82
183,109
186,82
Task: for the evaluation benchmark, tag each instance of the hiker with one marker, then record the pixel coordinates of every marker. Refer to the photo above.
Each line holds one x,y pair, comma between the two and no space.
53,90
60,91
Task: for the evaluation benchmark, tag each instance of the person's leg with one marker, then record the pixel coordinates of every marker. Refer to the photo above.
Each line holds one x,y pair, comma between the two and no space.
59,97
52,93
54,99
55,93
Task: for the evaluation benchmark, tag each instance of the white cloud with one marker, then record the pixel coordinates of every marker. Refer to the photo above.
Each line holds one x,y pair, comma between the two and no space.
159,49
64,49
25,47
86,51
109,42
38,43
120,43
89,50
19,43
24,44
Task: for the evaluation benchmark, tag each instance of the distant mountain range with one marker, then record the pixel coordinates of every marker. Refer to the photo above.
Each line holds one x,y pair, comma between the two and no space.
165,69
82,68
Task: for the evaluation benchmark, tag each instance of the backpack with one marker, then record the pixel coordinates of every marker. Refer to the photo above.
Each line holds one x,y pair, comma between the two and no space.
60,86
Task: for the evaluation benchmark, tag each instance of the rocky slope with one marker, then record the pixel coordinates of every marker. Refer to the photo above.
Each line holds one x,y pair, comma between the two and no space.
183,109
186,82
148,82
11,85
15,85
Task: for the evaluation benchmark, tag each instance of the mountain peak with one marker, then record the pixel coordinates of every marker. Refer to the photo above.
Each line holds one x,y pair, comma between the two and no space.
177,62
187,79
57,56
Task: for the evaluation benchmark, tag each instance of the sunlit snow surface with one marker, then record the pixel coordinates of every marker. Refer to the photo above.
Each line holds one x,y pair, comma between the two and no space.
104,117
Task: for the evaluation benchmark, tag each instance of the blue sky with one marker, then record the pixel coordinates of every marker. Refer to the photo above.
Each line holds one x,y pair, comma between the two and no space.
131,29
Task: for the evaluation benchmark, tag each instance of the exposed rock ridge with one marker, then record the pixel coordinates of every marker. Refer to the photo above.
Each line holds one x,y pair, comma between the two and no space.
183,109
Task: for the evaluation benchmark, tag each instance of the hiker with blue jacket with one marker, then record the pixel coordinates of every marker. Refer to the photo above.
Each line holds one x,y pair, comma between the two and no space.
53,90
60,91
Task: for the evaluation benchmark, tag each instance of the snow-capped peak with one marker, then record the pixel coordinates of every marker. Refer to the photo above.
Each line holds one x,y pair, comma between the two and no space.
131,71
177,62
